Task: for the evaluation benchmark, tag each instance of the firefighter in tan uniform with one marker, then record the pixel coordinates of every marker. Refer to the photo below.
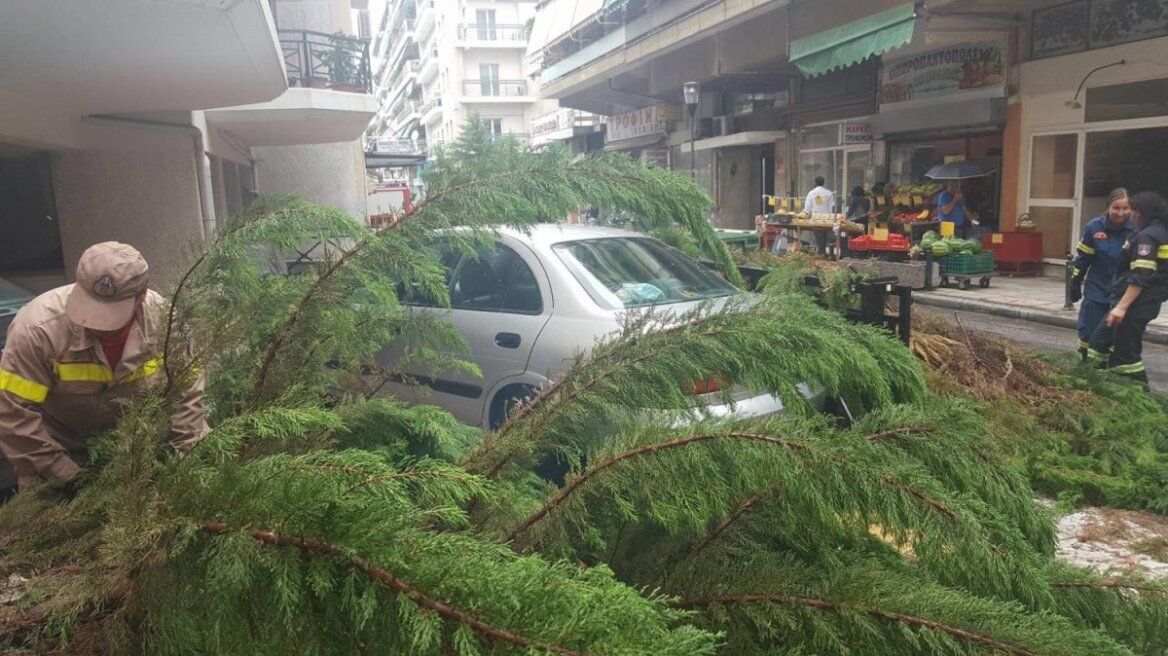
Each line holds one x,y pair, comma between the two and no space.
72,354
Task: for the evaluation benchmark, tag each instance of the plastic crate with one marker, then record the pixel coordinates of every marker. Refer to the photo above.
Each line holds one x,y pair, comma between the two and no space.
967,263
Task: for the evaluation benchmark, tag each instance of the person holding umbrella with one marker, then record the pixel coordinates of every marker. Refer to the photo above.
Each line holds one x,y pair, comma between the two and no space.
1141,287
1096,261
951,202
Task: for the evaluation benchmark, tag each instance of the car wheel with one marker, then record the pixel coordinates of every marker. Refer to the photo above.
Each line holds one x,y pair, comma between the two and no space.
506,401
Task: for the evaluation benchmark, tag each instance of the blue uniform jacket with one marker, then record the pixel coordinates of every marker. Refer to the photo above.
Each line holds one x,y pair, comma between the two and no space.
1097,256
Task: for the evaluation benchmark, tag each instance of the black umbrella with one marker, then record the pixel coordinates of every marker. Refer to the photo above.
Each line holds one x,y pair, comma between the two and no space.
956,171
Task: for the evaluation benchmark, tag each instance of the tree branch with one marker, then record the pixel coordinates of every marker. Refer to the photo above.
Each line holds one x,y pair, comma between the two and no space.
918,430
444,610
903,618
1110,583
568,489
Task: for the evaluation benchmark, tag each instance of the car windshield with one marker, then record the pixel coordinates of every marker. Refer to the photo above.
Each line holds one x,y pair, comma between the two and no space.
10,291
625,272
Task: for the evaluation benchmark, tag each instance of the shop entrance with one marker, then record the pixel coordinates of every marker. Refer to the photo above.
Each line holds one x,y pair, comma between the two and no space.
842,168
1072,173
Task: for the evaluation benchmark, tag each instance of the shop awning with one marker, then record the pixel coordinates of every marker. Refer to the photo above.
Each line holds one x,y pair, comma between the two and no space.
557,18
614,5
646,141
854,42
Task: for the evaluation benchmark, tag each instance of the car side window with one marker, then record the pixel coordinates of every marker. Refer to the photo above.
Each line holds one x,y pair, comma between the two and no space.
495,279
414,294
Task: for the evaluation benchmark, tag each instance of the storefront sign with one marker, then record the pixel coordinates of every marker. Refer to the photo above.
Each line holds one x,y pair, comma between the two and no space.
641,123
394,146
943,72
553,122
669,112
658,155
855,133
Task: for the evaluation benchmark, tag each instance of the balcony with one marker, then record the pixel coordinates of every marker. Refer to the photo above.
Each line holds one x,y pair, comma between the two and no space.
425,24
329,98
126,56
326,61
472,35
496,91
430,109
429,66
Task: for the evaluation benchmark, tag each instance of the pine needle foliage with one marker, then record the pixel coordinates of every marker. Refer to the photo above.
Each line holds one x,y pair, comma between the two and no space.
320,518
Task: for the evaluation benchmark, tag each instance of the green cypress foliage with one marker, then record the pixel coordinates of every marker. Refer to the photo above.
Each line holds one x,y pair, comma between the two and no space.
321,518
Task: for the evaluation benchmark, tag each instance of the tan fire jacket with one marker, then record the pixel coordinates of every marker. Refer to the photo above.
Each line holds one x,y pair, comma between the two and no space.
57,390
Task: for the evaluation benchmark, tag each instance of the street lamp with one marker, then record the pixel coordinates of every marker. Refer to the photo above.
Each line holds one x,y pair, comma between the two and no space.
692,91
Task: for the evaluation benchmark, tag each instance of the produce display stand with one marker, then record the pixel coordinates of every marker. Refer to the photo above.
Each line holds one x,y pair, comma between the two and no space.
964,268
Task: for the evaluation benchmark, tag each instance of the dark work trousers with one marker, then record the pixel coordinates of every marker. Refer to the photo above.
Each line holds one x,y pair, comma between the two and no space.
1091,314
1119,348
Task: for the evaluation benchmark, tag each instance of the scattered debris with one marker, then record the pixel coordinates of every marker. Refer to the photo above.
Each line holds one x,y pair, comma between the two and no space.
1111,540
12,589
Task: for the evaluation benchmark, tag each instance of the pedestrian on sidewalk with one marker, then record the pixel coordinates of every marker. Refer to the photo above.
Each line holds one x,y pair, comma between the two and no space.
951,207
1141,287
1097,261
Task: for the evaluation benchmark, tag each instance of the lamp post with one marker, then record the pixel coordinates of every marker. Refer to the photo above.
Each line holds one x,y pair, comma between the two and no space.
692,92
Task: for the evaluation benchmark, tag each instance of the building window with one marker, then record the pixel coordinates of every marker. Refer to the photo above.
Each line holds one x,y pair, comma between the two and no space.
495,125
32,242
363,30
488,79
485,24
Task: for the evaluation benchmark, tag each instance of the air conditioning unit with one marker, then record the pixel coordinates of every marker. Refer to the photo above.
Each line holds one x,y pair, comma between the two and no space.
723,125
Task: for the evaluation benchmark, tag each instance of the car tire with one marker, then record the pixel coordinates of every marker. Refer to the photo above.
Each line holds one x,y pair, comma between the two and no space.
508,398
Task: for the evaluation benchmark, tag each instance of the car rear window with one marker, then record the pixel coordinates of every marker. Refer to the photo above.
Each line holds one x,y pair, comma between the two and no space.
626,272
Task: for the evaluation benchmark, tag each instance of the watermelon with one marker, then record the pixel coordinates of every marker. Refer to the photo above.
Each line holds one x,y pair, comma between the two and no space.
929,238
940,248
975,246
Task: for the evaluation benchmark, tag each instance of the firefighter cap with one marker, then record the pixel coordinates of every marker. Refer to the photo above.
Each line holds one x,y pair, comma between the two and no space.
110,276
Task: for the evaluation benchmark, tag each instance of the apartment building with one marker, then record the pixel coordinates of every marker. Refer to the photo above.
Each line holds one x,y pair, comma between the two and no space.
440,61
171,116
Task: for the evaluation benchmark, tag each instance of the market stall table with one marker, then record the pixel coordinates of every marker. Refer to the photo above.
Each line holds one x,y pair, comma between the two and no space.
773,228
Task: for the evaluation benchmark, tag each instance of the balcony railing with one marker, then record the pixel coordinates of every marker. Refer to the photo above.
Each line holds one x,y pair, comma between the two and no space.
494,88
430,105
326,61
487,33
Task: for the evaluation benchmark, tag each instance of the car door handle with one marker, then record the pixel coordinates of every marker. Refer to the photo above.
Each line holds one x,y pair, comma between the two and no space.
508,340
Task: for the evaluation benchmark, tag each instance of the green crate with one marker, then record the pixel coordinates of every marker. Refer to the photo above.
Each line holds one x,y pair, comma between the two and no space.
967,263
747,240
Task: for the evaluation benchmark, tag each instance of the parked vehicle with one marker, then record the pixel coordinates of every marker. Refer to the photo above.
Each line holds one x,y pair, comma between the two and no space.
529,302
12,298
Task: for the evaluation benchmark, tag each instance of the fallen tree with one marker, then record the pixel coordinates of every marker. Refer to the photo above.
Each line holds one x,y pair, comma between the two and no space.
316,520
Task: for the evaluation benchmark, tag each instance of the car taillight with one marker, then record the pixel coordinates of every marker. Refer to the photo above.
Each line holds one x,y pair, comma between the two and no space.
707,385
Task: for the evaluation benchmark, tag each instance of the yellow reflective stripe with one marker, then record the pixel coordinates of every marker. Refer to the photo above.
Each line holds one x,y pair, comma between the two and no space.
1086,249
1162,252
1144,264
1096,355
83,372
23,387
148,369
1084,344
1133,368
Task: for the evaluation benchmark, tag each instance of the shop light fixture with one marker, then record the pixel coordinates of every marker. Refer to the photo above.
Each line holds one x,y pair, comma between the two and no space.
692,92
1074,103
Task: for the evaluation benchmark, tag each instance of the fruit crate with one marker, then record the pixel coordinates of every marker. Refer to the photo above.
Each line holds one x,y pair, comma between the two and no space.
967,263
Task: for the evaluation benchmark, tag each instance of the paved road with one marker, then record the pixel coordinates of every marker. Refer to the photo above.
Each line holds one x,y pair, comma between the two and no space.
1041,337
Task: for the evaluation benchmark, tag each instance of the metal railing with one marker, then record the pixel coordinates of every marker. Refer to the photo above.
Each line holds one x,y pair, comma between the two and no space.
326,61
430,104
487,33
494,88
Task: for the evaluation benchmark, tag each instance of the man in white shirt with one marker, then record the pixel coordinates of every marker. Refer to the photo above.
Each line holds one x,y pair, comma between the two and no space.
820,200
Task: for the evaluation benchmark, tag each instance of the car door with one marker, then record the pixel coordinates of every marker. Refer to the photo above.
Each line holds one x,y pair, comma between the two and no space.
499,303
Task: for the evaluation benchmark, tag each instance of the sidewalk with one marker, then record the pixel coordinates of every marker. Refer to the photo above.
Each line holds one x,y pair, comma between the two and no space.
1031,299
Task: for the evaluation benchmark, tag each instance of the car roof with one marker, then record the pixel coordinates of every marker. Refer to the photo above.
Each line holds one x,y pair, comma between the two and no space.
548,234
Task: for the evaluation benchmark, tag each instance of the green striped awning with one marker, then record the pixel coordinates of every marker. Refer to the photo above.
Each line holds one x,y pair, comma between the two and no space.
854,42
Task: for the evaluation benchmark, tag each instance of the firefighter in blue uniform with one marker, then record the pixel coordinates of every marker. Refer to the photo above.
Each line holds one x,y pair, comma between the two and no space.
1096,260
1141,286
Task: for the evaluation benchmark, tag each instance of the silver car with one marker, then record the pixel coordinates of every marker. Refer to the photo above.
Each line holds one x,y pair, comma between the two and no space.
529,302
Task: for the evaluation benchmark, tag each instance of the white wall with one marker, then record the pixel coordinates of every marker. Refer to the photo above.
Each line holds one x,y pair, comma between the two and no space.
329,174
143,192
1047,84
328,16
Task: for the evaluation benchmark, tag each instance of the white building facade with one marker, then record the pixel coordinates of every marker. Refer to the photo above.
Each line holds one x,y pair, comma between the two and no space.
440,61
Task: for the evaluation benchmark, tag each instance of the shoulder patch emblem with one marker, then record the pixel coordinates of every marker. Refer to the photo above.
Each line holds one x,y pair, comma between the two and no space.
1099,236
1144,250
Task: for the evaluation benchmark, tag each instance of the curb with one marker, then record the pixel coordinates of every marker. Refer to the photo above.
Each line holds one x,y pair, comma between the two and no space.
1155,334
